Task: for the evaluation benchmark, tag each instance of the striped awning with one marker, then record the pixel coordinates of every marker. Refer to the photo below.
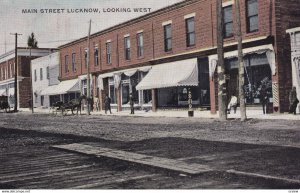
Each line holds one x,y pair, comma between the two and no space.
173,74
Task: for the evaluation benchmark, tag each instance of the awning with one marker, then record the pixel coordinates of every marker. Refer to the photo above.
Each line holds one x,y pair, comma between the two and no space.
63,87
264,49
179,73
127,72
2,92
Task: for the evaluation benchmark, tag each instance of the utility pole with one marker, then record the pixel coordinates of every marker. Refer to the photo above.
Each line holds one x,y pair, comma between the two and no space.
88,73
31,100
240,61
16,71
221,67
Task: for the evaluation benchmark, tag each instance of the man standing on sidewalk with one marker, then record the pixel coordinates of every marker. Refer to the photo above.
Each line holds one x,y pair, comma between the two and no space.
131,102
293,100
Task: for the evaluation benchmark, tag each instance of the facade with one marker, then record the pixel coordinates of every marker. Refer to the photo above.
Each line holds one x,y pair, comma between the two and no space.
160,56
44,75
295,58
7,64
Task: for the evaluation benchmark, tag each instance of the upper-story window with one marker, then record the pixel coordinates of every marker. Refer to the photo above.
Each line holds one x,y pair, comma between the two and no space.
228,21
140,44
35,76
48,72
108,52
74,62
85,57
66,63
127,47
41,73
252,16
190,31
96,56
168,37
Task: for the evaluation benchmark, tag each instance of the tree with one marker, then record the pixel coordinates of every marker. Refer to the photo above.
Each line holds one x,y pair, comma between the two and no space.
240,61
222,95
31,41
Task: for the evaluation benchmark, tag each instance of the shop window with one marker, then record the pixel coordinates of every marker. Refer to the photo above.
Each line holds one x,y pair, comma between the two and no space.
190,31
252,16
112,92
228,21
140,45
127,47
42,100
168,37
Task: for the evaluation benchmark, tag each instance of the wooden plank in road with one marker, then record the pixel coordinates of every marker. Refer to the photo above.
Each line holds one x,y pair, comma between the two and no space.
159,162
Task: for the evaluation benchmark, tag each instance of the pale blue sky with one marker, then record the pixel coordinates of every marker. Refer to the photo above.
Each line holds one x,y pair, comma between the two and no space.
53,30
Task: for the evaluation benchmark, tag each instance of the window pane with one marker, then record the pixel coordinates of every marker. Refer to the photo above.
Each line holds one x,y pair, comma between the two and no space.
192,39
253,23
169,44
252,7
191,25
168,32
228,14
228,30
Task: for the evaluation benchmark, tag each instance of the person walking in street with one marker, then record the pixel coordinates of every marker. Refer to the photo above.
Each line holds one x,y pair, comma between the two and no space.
232,104
264,99
293,100
107,102
131,102
97,103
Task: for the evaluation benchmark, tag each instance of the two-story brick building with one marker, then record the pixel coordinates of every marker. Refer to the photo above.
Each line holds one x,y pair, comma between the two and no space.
7,66
159,56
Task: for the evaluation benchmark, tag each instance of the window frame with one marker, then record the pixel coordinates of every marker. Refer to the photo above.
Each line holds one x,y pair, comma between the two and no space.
188,32
73,62
66,63
140,44
108,47
167,39
96,56
127,50
229,22
248,17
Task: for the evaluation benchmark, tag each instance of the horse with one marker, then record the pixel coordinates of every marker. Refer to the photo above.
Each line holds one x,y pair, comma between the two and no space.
4,105
76,104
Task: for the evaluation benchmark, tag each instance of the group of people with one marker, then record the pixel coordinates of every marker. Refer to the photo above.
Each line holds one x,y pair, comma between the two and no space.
107,103
264,99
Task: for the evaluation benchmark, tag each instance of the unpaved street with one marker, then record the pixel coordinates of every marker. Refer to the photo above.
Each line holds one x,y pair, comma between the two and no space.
254,154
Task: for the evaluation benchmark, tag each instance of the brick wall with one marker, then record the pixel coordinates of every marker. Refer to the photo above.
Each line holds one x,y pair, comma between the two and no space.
24,93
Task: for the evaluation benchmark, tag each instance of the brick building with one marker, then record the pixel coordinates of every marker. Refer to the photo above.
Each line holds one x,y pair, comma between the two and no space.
295,58
7,66
160,56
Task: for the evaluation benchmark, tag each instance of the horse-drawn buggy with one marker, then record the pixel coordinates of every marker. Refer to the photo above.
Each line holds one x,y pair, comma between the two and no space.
72,105
4,105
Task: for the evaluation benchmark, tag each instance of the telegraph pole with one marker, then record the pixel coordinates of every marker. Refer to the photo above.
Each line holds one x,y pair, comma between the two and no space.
221,67
88,73
16,71
240,61
31,100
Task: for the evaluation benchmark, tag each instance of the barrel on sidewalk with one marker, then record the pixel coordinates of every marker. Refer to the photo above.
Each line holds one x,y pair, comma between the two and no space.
191,113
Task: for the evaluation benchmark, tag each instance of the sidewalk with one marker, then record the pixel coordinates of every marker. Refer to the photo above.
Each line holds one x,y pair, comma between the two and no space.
251,114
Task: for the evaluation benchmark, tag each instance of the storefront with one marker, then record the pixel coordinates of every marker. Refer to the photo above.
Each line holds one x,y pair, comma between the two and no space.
173,80
124,82
259,66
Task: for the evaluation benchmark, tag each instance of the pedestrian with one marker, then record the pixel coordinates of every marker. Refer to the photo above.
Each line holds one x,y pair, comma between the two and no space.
293,100
264,99
97,103
107,102
131,102
232,104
